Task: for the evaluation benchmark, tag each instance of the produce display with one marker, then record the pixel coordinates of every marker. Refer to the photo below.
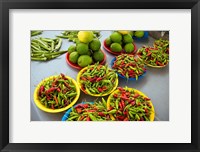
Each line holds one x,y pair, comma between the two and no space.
86,51
153,56
130,105
73,35
43,49
119,42
97,80
128,66
57,92
162,45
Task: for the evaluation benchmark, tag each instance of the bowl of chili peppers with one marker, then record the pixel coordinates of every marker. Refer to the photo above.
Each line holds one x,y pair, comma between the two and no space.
89,111
76,66
56,93
128,67
153,57
107,48
97,80
130,105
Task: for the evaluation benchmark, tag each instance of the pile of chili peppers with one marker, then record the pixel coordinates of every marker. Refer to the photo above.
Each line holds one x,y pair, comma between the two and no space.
130,105
128,66
98,79
96,111
162,45
57,92
153,56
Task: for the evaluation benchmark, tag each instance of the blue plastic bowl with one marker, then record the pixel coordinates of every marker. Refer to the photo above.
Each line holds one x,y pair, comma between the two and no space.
66,115
146,34
134,79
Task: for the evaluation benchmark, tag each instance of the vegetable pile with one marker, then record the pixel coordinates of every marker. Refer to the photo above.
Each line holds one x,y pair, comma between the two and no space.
98,80
130,105
34,33
73,35
120,42
162,45
153,56
88,111
43,49
128,66
57,92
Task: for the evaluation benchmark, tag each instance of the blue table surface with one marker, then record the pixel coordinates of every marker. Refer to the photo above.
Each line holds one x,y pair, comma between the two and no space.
155,83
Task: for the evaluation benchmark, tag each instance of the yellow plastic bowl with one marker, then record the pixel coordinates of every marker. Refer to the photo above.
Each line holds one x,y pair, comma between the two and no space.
42,107
153,66
152,116
95,95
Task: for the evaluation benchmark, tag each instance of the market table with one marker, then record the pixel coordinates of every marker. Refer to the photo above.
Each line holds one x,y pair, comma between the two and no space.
155,83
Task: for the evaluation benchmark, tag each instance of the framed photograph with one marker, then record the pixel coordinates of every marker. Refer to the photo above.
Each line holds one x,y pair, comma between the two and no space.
104,75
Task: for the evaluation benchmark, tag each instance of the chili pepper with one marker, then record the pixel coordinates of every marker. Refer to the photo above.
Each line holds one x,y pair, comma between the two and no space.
92,117
125,119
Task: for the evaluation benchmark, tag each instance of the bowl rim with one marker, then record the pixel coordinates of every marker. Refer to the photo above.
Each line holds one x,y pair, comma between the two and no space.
76,66
134,79
43,108
152,116
95,95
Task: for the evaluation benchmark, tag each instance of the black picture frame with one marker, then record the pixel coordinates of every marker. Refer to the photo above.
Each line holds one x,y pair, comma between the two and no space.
5,5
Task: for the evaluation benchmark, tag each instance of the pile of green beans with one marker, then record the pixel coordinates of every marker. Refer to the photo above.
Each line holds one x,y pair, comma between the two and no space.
43,49
73,35
98,79
162,45
129,66
88,111
130,105
57,92
153,56
34,33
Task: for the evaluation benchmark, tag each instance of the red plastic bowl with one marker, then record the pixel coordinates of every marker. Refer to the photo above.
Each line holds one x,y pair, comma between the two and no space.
76,66
118,53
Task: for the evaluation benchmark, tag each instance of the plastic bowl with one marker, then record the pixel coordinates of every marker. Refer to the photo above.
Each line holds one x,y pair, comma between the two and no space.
146,34
95,95
66,115
76,66
134,79
42,107
153,66
152,116
118,53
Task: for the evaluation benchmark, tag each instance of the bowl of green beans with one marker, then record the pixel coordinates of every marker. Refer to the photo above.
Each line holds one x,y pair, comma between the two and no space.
131,105
97,80
56,93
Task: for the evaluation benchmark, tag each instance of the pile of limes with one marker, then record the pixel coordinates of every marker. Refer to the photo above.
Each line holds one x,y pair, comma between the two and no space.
120,40
86,51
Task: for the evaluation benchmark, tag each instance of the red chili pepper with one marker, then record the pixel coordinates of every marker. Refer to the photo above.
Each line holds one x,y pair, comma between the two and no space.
145,98
63,76
133,103
42,89
52,106
99,89
104,88
66,84
120,117
126,119
91,110
149,53
101,114
83,78
136,95
88,119
123,103
124,98
141,119
93,79
146,110
120,105
99,79
79,110
50,90
48,98
58,89
115,95
85,105
111,108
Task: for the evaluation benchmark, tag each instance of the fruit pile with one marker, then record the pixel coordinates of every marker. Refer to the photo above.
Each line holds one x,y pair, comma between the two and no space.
119,41
86,51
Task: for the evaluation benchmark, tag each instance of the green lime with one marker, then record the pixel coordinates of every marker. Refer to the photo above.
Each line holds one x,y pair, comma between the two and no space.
95,45
82,48
73,57
84,60
127,38
98,56
139,34
116,47
108,41
116,37
129,47
71,49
